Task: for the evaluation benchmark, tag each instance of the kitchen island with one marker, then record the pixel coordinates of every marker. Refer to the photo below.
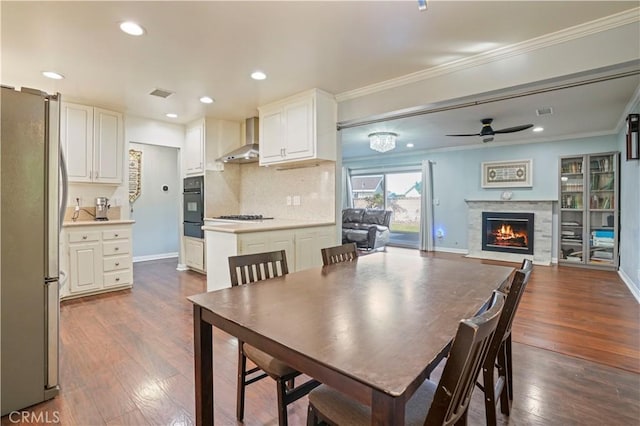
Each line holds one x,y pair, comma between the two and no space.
302,241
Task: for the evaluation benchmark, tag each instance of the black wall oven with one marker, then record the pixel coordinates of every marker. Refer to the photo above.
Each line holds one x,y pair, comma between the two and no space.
193,207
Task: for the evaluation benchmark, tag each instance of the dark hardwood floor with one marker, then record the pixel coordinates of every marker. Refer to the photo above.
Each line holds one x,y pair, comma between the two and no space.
127,357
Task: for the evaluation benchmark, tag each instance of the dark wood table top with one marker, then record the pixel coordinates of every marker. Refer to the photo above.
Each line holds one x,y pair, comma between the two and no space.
375,324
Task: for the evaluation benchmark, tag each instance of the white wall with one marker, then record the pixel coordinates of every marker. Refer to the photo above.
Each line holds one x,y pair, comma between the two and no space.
630,216
152,132
156,232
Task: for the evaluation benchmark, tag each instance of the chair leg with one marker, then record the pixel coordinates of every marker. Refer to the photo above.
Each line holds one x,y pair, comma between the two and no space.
242,368
282,406
505,402
312,418
509,366
489,394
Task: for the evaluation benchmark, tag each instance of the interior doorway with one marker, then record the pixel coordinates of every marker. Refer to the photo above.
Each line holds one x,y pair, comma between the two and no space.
156,233
397,191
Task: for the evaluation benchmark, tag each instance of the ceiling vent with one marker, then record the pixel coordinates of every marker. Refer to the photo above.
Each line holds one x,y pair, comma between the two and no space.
544,111
161,93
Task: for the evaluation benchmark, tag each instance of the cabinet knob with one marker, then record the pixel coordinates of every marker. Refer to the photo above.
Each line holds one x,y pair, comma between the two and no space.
117,263
117,279
116,248
115,235
84,237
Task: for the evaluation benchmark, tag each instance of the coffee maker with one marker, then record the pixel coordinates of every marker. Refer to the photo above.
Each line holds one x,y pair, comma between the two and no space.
102,207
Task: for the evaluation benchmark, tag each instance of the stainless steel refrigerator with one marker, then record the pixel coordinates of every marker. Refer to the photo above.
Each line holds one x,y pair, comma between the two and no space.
30,212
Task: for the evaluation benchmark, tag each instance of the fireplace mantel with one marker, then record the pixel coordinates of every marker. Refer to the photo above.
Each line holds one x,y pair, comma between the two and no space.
543,226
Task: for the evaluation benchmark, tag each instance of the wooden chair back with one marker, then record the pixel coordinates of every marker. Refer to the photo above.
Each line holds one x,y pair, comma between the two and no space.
516,290
249,268
344,253
527,264
468,352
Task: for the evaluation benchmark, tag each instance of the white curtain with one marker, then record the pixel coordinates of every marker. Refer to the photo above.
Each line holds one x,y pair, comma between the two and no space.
347,192
426,199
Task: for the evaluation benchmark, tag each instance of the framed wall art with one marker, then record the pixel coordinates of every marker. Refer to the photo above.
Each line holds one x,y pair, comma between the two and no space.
503,174
135,170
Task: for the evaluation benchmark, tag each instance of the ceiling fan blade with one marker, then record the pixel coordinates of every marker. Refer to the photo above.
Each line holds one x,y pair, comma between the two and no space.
514,129
466,134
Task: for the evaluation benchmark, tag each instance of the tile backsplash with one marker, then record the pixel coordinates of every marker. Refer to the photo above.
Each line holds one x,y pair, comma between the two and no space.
265,190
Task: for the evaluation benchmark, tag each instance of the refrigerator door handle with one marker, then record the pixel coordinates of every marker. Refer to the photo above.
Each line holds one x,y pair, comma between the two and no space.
53,187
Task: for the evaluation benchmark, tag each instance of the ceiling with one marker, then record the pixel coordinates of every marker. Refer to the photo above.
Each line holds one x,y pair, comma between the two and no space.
210,48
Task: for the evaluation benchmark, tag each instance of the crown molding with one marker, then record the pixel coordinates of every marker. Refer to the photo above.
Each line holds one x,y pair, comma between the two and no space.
593,27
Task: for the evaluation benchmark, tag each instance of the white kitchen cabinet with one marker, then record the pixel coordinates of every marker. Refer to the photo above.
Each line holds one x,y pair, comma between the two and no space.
259,242
300,128
194,253
99,258
194,147
93,142
309,243
302,245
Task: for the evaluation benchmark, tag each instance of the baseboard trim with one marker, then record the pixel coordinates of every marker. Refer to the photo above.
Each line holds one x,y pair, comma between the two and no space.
630,285
154,257
452,250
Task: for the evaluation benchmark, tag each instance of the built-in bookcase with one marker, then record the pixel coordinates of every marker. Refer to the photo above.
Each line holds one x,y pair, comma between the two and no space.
589,210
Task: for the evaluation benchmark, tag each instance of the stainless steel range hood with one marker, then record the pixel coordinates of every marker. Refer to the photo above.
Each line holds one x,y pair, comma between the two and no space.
248,153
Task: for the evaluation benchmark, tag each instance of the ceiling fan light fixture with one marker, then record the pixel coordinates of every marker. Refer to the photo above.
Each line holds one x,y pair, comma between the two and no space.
382,141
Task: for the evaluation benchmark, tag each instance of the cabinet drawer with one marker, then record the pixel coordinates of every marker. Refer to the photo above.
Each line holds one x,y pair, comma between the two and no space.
81,237
116,263
117,278
115,247
115,234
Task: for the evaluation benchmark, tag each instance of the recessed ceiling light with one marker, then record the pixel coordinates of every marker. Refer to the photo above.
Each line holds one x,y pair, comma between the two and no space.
258,75
206,100
538,129
52,74
131,28
409,145
172,115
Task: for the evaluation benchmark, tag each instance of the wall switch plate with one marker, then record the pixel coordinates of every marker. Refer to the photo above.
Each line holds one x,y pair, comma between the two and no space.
296,200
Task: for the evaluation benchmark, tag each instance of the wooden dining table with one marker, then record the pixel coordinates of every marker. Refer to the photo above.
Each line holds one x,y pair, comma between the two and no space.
373,329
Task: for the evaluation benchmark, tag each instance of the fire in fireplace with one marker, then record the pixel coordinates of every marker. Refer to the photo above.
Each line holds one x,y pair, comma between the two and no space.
507,232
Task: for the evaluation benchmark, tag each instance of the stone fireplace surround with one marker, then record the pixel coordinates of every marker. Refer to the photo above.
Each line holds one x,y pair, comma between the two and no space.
543,228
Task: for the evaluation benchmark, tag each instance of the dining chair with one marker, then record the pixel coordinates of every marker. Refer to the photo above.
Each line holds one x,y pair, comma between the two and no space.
442,403
245,269
499,355
344,253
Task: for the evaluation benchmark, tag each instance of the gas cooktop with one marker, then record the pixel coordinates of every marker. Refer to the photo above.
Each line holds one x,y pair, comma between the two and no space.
243,217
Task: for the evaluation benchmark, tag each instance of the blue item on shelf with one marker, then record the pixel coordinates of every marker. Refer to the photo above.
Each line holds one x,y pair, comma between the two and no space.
602,233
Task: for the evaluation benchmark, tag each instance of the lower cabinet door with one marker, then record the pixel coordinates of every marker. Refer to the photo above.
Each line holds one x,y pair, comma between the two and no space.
194,253
84,263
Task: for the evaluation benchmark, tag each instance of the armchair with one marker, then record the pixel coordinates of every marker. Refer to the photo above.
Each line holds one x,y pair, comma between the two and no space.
368,228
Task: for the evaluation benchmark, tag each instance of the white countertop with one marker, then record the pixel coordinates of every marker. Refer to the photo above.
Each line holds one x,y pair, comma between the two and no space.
69,223
239,227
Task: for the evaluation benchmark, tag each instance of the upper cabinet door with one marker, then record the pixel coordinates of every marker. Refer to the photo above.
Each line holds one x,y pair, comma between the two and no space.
108,145
299,130
194,148
271,136
76,133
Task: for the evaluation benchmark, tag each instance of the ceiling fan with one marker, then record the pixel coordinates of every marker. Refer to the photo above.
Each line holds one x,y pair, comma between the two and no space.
487,131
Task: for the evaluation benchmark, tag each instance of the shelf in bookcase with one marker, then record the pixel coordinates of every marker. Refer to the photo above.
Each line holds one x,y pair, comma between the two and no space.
568,209
602,228
601,210
572,243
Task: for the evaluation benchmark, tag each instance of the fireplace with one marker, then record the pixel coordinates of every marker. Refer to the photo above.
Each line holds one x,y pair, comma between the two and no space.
507,232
